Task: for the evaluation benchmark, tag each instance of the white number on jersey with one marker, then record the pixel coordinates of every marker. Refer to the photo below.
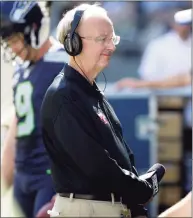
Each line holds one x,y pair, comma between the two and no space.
24,108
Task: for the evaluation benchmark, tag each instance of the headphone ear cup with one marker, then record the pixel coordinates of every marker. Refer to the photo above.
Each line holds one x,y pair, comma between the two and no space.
68,45
73,47
76,44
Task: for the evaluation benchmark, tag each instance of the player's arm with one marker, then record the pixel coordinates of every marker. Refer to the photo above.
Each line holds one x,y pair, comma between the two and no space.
180,209
8,154
171,82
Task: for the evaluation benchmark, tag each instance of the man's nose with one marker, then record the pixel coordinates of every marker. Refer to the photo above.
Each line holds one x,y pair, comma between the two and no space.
111,46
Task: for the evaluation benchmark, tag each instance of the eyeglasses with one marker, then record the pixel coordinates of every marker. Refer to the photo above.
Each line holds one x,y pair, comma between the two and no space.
103,39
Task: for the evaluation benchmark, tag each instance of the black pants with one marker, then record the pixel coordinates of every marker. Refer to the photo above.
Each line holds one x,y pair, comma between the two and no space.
32,192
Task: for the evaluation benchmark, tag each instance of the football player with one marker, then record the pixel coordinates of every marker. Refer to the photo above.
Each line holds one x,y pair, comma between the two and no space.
38,59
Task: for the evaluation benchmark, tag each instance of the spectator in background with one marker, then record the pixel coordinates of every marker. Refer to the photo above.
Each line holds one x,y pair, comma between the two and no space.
166,62
169,80
168,55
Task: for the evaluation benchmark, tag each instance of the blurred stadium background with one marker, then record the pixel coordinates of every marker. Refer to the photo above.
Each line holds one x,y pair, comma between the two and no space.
138,23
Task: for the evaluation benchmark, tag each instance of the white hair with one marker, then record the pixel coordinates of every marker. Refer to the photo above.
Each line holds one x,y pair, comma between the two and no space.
64,25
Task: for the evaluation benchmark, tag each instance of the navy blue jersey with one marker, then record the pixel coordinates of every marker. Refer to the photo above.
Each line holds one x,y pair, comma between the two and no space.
30,86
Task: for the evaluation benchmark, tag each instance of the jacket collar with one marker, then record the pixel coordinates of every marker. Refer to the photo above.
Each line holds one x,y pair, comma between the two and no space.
73,75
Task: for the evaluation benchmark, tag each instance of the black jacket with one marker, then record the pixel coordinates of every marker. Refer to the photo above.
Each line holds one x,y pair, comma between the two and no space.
83,137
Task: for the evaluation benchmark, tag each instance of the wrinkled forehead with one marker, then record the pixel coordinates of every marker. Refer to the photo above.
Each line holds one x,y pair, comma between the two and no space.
96,25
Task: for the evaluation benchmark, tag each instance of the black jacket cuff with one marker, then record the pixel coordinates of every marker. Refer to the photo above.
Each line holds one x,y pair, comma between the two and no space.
139,210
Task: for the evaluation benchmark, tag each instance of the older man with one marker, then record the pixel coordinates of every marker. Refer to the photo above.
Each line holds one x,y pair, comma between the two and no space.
92,167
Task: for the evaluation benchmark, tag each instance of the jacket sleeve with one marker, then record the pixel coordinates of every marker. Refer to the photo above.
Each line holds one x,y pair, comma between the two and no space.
138,210
94,161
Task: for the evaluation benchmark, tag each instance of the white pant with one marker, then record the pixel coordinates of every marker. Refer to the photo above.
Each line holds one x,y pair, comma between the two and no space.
71,207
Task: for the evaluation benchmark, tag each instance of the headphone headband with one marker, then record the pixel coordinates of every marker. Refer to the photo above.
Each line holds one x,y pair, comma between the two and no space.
75,22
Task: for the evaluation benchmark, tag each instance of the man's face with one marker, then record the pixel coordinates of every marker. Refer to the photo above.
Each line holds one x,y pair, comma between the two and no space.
182,30
17,46
98,46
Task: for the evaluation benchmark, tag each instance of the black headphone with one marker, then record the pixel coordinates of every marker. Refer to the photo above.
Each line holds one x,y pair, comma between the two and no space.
72,41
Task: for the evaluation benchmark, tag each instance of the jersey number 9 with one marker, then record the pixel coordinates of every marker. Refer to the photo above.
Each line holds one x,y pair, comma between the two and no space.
24,109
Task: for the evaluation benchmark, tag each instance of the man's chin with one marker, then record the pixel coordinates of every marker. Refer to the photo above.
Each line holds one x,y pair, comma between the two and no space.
105,62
